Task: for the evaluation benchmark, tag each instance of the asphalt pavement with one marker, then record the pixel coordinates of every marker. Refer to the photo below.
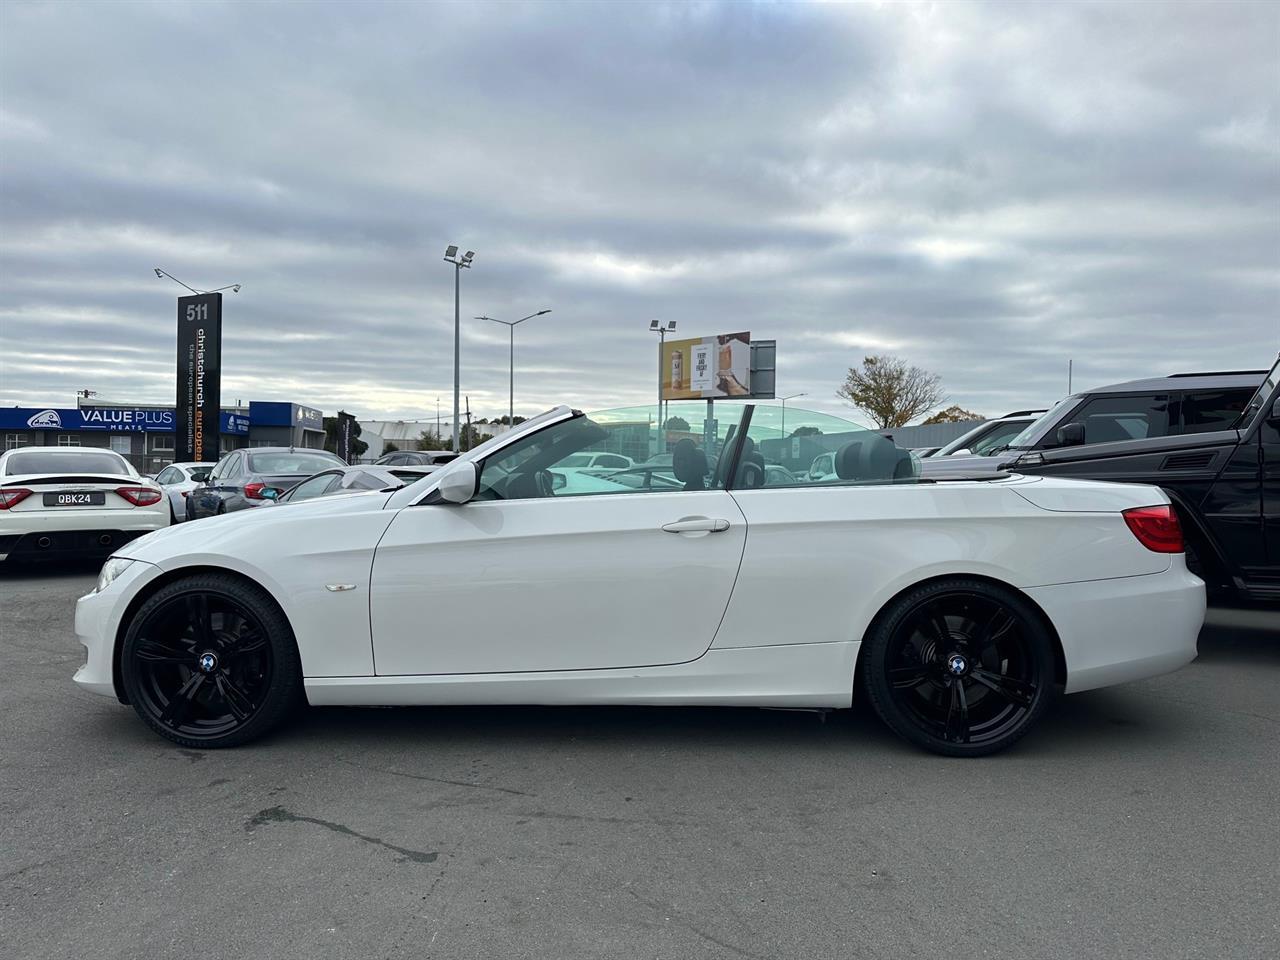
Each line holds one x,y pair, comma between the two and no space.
1139,821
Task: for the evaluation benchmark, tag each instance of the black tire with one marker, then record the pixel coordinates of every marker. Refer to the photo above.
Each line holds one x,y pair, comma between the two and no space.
210,661
959,667
173,515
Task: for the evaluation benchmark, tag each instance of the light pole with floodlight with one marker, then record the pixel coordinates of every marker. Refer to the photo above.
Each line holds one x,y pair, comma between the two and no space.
511,326
661,329
784,411
160,274
459,263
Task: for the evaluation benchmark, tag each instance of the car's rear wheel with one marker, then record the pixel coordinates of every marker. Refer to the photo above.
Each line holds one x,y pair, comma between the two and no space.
210,661
960,667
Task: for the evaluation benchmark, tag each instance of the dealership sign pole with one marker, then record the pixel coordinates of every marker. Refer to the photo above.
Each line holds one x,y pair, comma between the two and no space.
199,377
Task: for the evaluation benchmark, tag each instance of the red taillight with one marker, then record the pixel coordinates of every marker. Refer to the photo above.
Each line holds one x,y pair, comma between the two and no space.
12,496
1156,528
140,496
253,491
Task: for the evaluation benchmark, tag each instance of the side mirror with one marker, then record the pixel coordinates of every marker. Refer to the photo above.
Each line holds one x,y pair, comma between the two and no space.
458,482
1071,435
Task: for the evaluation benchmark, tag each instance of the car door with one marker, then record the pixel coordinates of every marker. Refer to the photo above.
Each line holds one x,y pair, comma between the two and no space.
523,579
204,498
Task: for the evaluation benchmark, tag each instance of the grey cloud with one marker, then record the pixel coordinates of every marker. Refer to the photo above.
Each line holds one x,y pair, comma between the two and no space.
987,189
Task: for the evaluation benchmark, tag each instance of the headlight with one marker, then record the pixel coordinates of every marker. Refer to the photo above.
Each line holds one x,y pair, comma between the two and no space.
110,570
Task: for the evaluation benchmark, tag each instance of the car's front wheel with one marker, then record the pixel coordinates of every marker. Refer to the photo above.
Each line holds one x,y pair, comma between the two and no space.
210,661
960,667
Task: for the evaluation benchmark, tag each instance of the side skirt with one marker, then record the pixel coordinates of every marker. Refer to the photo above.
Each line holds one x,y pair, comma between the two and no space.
791,675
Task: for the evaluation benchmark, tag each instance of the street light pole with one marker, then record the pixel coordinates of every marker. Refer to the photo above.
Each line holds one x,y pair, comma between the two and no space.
511,327
784,411
451,256
661,329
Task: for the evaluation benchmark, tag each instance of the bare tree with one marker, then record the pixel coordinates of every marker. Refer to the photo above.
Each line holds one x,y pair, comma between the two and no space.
890,392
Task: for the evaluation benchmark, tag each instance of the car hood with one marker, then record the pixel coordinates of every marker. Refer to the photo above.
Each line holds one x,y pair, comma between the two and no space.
224,534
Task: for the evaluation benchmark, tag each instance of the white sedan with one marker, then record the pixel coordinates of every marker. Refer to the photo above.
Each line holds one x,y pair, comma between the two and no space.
73,501
177,480
959,608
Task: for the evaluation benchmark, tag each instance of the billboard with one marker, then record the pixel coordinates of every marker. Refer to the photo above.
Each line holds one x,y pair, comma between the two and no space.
199,377
707,368
346,436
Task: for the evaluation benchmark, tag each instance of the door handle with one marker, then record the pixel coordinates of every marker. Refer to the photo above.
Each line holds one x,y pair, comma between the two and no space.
696,525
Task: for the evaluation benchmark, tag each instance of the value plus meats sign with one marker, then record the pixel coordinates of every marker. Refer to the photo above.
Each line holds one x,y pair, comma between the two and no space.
199,377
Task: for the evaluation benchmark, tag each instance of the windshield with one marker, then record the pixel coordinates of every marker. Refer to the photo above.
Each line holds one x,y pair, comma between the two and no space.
286,462
1025,439
72,461
962,442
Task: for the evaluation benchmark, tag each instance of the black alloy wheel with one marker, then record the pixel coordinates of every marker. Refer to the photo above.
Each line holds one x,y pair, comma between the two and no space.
210,661
960,667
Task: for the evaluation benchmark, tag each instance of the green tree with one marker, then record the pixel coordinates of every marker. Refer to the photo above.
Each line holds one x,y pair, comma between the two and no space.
427,440
806,432
678,423
954,414
358,446
890,392
388,447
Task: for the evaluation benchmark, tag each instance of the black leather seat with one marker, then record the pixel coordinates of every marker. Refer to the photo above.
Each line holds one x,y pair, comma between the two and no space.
872,459
689,464
750,467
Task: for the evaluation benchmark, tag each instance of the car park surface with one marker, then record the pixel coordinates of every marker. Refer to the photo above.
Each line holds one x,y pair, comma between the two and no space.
1139,823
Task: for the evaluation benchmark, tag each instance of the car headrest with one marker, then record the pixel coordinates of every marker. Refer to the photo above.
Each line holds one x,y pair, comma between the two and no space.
688,462
849,460
874,458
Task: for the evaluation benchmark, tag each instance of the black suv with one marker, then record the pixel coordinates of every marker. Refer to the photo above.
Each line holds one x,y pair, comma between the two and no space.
1210,441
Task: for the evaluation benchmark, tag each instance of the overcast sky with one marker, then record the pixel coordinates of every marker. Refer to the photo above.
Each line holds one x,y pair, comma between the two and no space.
985,190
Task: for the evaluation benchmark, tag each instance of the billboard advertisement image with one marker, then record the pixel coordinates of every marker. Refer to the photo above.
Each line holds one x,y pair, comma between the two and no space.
707,367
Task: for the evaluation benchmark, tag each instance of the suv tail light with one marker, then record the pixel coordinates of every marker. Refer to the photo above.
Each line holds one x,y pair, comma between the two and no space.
140,496
13,496
1157,528
261,491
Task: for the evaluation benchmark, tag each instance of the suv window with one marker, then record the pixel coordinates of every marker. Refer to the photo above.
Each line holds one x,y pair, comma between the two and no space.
1108,419
1212,409
998,437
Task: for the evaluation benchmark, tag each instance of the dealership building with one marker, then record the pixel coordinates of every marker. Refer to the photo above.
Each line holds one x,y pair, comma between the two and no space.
145,434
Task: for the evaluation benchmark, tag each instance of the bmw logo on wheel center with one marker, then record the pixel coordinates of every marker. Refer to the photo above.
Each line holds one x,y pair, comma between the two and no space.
957,664
208,662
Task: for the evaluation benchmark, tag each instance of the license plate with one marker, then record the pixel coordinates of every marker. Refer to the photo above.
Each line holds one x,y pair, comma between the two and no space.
98,499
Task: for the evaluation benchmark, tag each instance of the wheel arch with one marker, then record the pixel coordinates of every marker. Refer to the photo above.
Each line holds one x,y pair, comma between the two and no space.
158,583
1059,657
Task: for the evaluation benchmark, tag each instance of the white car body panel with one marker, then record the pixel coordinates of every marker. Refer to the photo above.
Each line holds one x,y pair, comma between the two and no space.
792,675
512,590
841,553
563,568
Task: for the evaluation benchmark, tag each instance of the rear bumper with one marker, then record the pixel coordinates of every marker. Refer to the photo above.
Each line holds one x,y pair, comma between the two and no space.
1128,628
77,531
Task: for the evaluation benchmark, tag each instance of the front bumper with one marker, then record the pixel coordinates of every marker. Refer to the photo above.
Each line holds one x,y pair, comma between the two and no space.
97,622
1127,628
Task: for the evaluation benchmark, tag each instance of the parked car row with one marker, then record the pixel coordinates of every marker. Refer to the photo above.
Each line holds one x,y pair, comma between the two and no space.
1210,441
729,571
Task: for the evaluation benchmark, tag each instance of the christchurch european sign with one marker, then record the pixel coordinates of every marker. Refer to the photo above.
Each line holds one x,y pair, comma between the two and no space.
199,377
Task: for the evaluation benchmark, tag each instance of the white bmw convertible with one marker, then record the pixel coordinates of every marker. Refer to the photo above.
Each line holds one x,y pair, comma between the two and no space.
959,608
